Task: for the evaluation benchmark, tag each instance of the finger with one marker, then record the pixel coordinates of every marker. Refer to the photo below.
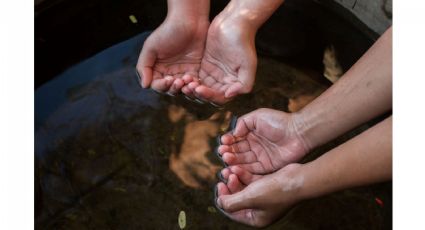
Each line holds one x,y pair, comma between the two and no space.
162,84
222,189
244,216
239,158
198,98
236,202
233,184
145,65
244,125
233,90
240,147
211,94
246,74
192,85
188,78
188,92
228,139
244,176
224,148
176,86
225,173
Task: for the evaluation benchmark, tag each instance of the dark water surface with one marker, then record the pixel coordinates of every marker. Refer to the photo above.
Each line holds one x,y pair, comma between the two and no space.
111,155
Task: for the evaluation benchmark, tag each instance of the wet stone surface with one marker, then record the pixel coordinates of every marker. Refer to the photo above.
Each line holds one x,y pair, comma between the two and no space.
110,155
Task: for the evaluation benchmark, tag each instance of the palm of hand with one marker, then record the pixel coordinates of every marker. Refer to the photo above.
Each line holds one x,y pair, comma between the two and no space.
259,202
228,66
168,64
269,141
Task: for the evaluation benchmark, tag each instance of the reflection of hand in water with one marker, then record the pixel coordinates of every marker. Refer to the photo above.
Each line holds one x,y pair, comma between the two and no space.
191,163
263,141
270,195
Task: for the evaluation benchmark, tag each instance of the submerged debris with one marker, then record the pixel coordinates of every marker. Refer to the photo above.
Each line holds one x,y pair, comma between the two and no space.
379,202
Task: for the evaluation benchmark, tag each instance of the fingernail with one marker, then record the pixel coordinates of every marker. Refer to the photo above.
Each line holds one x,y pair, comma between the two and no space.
230,95
139,79
219,140
158,92
221,178
219,203
217,153
189,98
199,101
170,94
233,122
216,105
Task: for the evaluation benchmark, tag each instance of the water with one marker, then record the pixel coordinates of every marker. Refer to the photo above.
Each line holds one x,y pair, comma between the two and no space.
111,155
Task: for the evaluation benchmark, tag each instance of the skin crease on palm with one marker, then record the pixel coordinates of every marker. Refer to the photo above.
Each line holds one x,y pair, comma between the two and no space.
258,200
263,141
213,63
229,62
167,66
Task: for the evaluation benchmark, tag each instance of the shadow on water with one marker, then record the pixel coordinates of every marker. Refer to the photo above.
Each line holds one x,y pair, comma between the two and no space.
111,155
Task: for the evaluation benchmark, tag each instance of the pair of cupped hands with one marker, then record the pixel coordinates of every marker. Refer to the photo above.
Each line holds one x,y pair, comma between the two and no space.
211,62
214,63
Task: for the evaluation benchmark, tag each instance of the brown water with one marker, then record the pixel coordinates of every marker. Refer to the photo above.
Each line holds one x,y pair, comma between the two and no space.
110,155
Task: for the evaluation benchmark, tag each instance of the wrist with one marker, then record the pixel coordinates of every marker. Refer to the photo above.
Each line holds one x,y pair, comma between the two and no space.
291,181
303,127
188,10
251,13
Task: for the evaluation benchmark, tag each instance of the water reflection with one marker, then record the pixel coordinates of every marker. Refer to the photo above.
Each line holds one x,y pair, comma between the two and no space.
110,155
191,163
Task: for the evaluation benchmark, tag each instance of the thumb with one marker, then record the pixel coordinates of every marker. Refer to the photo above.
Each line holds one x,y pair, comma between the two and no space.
246,74
245,124
233,90
235,202
145,65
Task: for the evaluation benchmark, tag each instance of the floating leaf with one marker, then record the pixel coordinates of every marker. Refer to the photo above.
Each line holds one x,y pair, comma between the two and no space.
182,219
133,19
211,209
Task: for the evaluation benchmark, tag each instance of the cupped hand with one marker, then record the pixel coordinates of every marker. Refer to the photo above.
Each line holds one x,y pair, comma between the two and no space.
229,62
171,55
264,199
263,141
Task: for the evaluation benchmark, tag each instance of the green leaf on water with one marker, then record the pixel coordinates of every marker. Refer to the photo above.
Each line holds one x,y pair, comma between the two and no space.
182,219
133,19
211,209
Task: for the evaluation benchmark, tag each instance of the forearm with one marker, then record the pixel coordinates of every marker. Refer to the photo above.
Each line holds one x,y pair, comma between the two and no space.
193,9
252,13
363,93
363,160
